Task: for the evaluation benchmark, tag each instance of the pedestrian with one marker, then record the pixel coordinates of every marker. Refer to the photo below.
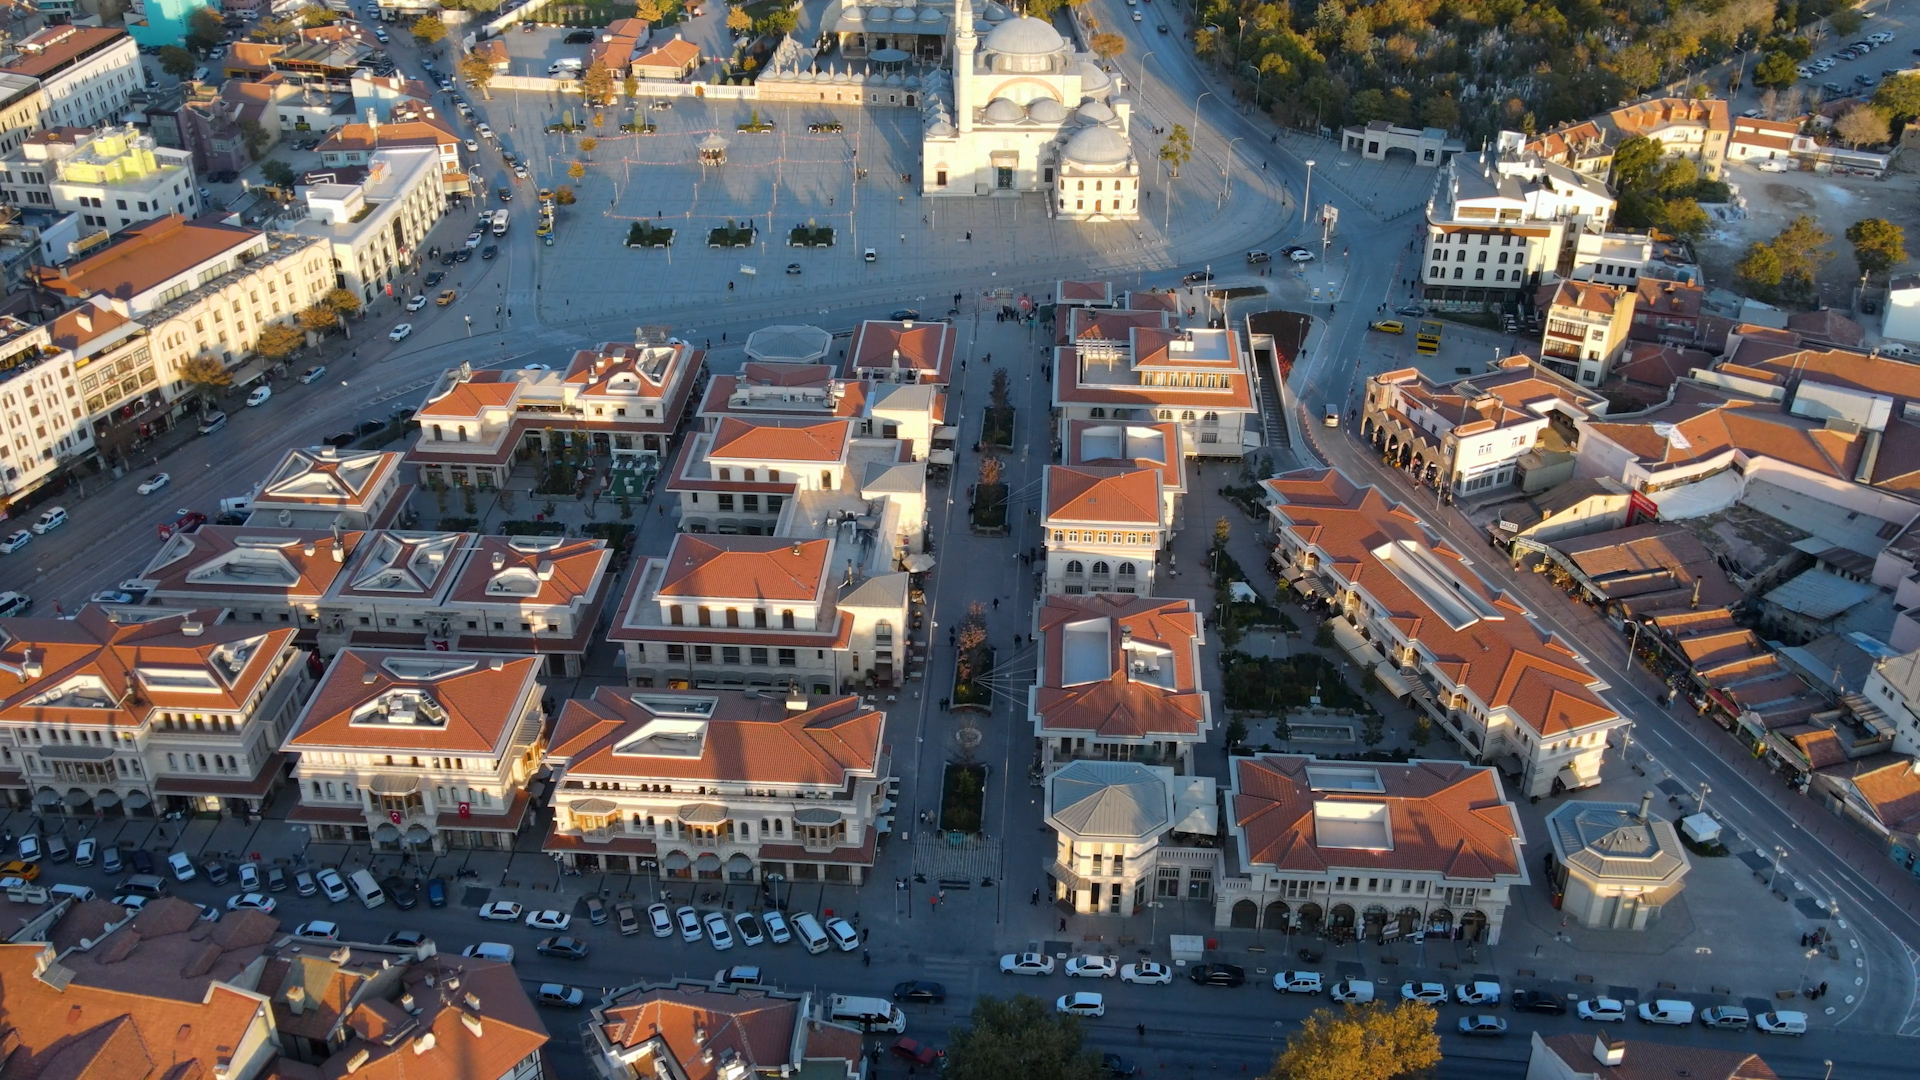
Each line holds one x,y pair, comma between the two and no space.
1803,940
1823,988
1063,925
866,958
1142,1029
1036,898
723,337
996,603
1016,641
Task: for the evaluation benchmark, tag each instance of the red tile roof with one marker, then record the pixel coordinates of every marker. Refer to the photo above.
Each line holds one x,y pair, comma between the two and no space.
881,346
745,567
1653,1060
756,440
145,255
1442,817
437,702
755,739
1121,705
1102,496
701,1028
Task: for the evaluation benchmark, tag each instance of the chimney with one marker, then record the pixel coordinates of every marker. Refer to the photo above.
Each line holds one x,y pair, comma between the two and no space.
544,571
191,627
339,550
358,1061
472,1020
796,547
310,549
1646,800
296,1000
499,560
796,701
1608,1050
32,663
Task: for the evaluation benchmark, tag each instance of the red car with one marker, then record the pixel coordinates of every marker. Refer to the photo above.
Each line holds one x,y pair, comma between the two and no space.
189,522
916,1052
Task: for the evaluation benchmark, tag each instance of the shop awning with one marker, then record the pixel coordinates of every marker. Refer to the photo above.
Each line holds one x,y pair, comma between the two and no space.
419,834
676,860
707,861
47,797
77,797
138,800
386,834
388,784
106,799
1390,677
1353,643
703,814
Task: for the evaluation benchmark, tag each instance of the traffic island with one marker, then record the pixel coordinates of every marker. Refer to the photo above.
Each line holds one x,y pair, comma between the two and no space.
731,235
963,795
810,235
646,234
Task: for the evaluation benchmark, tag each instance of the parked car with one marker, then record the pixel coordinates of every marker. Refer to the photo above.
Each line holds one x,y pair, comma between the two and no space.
313,374
560,996
501,911
748,927
248,876
1782,1023
660,920
111,863
332,884
549,919
179,862
931,993
1026,964
303,884
1483,1024
251,902
776,925
566,948
1217,974
718,933
51,519
30,848
1429,993
276,879
1081,1004
1535,1001
1603,1009
1729,1017
689,921
15,540
437,892
83,851
154,483
917,1052
319,928
843,934
1148,972
629,922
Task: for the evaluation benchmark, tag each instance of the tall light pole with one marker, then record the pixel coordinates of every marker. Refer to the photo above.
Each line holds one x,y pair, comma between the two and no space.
1306,197
1704,792
1226,172
1196,115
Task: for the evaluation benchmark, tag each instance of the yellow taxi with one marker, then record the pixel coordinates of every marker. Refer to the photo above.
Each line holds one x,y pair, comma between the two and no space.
1388,326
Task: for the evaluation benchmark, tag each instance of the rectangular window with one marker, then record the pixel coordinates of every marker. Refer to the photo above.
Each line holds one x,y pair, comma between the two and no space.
757,657
730,654
703,654
677,654
786,658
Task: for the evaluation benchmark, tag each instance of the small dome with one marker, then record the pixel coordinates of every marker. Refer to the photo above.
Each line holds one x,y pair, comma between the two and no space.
1047,111
839,76
1024,36
851,14
879,15
913,82
806,76
1095,112
1093,81
930,16
994,12
894,79
1097,146
1003,111
982,26
940,129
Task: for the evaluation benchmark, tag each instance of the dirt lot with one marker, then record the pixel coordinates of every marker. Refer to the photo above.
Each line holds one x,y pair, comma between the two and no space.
1774,199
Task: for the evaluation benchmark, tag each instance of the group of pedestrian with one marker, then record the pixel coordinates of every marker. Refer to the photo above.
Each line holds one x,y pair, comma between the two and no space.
1007,314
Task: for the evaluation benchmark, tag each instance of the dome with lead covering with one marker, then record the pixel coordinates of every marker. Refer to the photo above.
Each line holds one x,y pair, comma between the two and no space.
1097,146
1024,36
1003,111
1047,111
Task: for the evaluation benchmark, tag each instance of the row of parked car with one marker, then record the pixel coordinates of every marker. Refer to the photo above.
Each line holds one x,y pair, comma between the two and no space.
748,928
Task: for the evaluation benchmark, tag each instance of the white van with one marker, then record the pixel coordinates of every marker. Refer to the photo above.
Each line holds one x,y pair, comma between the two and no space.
489,950
872,1014
14,604
1678,1013
77,892
1356,991
367,889
807,929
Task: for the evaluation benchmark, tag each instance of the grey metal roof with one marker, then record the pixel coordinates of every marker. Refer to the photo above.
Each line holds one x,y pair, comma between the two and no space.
1610,841
881,591
1123,800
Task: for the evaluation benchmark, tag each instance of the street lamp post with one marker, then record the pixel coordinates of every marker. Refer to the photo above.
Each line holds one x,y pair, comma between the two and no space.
1779,855
1226,172
1704,792
1196,115
1306,196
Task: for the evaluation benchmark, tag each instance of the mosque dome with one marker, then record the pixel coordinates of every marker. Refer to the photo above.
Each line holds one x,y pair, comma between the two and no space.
1097,146
994,12
1003,111
851,13
879,15
1024,36
1093,81
1047,111
940,129
932,16
1095,112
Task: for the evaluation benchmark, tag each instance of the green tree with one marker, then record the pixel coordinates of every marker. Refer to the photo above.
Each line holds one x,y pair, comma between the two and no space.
1802,250
1759,270
1176,151
318,318
256,136
1863,125
278,173
1677,177
1846,22
649,10
1441,111
1899,96
1634,162
204,30
1878,245
777,23
1019,1037
271,29
1796,47
1370,1043
176,61
631,86
1682,218
563,195
428,30
342,301
315,15
1639,66
998,393
207,376
596,86
477,71
1776,70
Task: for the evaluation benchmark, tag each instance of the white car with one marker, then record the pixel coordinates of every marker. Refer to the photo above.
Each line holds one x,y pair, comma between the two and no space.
549,920
717,931
473,147
1782,1023
259,395
748,928
474,238
1090,966
501,911
416,301
1082,1004
249,875
1880,38
132,902
1477,993
1027,963
319,928
843,934
1301,255
1605,1010
16,540
110,596
51,520
1771,166
1146,971
331,884
776,925
689,921
252,901
485,130
1431,993
154,483
660,919
400,333
182,866
208,913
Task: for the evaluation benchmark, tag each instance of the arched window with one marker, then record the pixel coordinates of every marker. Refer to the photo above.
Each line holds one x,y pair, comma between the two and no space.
1126,569
1075,566
786,619
1210,418
436,433
1098,414
1101,568
1166,414
1186,414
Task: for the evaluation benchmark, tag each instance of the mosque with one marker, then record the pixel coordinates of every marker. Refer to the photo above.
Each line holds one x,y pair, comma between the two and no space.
1022,112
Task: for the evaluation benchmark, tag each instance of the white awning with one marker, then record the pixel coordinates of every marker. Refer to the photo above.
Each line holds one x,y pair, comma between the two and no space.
1353,644
1396,683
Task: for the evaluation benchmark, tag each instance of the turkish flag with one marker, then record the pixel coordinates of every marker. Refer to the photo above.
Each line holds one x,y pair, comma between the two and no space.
440,645
394,816
466,808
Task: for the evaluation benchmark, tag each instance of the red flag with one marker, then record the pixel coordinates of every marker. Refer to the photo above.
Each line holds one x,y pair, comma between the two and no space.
466,808
394,816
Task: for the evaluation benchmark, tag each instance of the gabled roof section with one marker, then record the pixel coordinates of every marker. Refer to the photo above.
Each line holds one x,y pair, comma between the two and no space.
717,735
404,564
745,567
1120,667
442,702
327,477
1102,496
736,439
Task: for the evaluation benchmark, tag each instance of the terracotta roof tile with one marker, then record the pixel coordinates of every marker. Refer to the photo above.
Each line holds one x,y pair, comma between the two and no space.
736,439
757,567
699,1026
145,255
1113,703
1655,1061
437,702
1102,496
883,346
745,739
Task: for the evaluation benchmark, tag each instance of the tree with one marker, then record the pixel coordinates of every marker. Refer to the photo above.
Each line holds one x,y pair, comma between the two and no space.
1846,22
1776,70
1759,269
777,23
632,87
563,195
1019,1037
997,393
428,30
1441,111
271,29
1863,125
315,15
1222,531
973,628
205,30
1372,1043
1899,96
649,10
738,20
597,84
279,174
575,171
1878,245
1176,151
1108,45
176,61
1682,218
1634,161
477,71
1802,250
256,136
991,470
342,301
588,146
206,374
318,318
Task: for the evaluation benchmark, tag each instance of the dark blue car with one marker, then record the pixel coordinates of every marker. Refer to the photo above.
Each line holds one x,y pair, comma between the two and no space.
437,892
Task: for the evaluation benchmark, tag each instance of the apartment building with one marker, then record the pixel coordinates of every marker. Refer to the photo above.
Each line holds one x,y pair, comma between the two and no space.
1376,849
1113,444
1119,680
733,786
1698,129
416,751
201,288
43,425
1501,219
325,487
902,351
1469,656
146,710
406,128
86,73
1127,834
23,108
1136,365
374,228
628,400
112,177
738,612
119,384
1754,139
1103,528
1516,424
717,1031
1586,329
909,412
